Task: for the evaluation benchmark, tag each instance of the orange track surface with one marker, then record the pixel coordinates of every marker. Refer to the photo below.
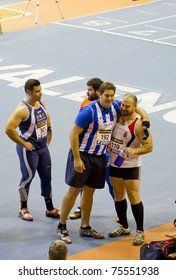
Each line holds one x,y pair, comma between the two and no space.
48,11
122,248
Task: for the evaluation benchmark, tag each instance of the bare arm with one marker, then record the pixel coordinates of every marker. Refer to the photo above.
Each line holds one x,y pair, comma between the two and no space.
147,143
74,142
145,121
13,122
144,116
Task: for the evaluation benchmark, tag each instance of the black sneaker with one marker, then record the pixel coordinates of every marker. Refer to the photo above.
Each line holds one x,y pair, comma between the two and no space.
64,236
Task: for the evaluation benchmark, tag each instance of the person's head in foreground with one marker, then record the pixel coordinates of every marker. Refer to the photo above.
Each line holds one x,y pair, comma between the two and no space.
58,250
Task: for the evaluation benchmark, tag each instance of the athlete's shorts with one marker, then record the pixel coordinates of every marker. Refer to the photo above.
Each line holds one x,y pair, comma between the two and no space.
125,173
94,174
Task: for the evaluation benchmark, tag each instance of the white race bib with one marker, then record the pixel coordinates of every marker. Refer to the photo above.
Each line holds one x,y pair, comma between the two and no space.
41,130
103,137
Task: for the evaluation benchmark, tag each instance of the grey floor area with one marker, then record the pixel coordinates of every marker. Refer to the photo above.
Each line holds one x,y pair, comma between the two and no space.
135,48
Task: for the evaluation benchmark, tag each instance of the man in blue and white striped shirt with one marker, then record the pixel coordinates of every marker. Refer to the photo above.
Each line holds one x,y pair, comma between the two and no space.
86,163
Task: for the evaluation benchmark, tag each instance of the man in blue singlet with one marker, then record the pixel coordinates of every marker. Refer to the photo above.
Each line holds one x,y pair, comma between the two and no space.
33,121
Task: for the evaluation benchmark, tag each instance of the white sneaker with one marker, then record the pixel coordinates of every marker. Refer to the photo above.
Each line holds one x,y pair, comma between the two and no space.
64,235
119,231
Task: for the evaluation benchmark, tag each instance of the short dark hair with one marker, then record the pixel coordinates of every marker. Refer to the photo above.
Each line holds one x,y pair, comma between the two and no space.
30,84
95,83
107,86
132,96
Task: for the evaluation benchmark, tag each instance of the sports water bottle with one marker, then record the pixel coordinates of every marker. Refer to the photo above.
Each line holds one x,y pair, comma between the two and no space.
120,158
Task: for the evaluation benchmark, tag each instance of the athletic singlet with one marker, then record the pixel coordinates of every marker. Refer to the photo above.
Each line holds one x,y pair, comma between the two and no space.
122,137
97,123
34,128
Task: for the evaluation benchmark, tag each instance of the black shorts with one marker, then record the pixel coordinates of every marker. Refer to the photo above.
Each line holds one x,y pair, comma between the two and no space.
94,174
125,173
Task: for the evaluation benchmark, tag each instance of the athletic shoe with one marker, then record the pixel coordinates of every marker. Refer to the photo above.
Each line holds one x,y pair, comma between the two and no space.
25,215
171,234
172,256
76,214
139,238
90,233
119,231
55,213
64,236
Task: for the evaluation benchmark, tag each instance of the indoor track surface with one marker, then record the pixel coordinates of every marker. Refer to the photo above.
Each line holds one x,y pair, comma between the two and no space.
133,47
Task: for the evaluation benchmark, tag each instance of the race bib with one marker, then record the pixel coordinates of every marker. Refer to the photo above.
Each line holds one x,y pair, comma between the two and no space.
103,137
116,145
41,130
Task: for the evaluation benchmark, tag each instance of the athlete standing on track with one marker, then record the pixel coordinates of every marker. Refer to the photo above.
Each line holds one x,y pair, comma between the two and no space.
93,93
129,141
86,163
32,146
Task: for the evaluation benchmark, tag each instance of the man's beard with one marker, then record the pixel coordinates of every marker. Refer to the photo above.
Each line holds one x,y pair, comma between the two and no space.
124,113
92,98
